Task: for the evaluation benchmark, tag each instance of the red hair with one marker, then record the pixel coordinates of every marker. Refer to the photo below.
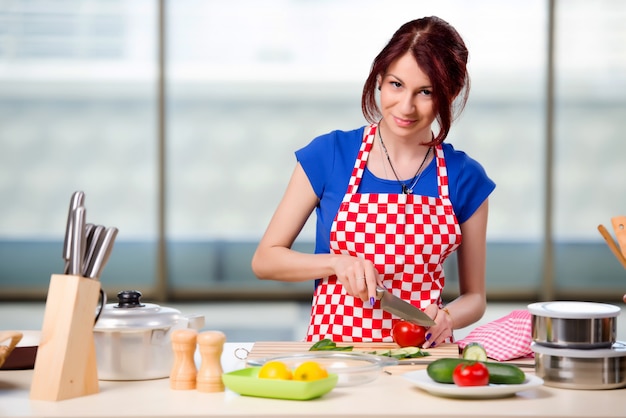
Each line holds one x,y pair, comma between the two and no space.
441,54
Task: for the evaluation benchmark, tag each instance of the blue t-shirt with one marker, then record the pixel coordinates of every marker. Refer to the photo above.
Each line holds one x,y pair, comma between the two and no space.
328,161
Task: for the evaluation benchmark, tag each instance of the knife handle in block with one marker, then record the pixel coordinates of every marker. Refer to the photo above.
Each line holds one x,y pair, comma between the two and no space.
65,366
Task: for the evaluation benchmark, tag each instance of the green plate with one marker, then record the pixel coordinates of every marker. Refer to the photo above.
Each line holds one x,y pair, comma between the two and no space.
246,382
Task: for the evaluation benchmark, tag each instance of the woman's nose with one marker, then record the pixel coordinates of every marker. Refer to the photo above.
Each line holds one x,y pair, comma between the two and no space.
407,104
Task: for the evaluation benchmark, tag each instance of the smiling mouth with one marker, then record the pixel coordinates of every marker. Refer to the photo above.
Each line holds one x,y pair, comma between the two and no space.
403,122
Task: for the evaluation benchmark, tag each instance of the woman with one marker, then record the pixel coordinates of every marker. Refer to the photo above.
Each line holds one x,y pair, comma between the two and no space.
392,200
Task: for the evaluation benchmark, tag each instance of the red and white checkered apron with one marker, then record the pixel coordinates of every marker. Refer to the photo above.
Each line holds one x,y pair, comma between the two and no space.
406,236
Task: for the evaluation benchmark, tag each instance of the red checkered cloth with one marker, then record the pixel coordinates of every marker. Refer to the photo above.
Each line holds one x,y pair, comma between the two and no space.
506,338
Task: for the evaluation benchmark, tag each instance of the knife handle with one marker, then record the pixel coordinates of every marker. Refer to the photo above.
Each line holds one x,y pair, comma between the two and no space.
78,199
103,252
94,240
77,245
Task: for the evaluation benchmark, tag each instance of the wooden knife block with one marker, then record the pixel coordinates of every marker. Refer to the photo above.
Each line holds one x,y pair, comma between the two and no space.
65,366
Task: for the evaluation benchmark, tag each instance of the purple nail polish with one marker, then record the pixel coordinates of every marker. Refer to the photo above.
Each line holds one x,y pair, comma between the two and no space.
428,336
433,344
372,300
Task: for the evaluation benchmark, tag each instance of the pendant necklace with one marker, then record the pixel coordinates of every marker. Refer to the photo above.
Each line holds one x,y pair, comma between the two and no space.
406,189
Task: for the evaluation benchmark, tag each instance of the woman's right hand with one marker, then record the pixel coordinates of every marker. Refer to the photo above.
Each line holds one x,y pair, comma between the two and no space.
358,276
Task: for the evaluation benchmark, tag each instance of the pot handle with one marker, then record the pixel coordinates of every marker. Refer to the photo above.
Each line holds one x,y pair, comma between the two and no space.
195,321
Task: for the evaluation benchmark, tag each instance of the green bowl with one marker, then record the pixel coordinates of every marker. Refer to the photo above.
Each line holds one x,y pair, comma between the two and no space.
246,382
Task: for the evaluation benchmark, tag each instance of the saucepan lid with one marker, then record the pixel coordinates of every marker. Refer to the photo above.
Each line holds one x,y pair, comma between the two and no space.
573,309
131,314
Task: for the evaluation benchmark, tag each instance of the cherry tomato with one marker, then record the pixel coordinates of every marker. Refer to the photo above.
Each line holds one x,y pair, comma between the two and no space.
407,334
471,374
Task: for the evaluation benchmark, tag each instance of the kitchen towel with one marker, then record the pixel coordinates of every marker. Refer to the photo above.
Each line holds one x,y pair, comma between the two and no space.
505,338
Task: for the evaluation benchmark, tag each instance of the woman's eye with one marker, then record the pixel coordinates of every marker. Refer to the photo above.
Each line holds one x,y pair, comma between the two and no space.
426,92
396,84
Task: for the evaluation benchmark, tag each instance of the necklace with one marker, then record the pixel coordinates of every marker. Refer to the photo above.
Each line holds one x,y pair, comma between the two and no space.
405,189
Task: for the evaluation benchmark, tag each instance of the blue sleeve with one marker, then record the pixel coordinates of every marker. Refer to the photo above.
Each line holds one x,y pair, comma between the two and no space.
469,184
328,159
317,159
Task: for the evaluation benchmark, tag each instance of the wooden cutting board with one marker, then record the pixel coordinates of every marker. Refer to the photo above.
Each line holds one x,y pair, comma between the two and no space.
265,349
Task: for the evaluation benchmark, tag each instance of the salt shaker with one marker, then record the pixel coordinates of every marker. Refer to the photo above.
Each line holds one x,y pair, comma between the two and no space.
211,345
184,372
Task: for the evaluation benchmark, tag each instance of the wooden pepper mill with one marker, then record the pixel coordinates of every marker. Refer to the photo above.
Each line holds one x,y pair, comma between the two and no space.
184,372
211,345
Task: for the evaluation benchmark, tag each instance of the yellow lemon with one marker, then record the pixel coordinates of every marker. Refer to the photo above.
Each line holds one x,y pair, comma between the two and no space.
275,370
310,370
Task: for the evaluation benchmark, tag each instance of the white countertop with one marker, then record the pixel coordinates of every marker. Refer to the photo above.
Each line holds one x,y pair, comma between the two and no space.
387,396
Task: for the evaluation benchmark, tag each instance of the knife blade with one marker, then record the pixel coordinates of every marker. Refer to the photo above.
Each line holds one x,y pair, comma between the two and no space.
103,252
398,307
78,199
77,243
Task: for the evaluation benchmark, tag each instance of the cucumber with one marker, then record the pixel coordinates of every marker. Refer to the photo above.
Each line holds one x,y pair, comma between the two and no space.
411,351
399,353
475,351
499,373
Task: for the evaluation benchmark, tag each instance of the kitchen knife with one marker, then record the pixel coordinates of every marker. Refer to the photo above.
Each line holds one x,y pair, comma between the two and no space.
78,199
77,243
402,309
94,239
103,252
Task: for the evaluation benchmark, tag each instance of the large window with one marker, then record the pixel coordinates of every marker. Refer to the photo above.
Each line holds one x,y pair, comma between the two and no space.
246,84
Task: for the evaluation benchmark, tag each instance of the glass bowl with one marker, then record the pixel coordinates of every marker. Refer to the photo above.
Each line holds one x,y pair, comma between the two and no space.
351,368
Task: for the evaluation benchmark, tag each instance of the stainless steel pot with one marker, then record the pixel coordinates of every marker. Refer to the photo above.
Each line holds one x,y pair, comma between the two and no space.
581,369
133,339
572,324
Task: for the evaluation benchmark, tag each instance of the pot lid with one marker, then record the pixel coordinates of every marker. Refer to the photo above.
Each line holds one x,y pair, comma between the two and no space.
618,349
573,309
131,314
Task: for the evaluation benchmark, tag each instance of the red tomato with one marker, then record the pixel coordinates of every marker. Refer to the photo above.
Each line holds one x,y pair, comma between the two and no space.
407,334
471,374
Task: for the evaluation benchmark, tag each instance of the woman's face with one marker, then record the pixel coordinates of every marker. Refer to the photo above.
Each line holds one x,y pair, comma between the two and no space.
406,101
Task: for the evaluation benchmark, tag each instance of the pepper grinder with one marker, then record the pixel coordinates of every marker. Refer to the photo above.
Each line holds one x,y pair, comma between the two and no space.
184,372
211,345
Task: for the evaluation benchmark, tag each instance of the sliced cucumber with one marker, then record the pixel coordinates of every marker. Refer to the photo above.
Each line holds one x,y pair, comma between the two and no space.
399,353
475,351
411,351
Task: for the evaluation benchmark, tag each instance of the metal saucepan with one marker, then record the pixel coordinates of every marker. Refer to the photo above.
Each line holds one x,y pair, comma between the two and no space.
572,324
133,339
603,368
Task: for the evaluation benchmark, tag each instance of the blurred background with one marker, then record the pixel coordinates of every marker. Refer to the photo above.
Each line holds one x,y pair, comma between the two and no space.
179,120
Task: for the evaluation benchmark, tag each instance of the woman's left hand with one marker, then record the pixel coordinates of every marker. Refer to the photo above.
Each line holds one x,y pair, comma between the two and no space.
438,333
